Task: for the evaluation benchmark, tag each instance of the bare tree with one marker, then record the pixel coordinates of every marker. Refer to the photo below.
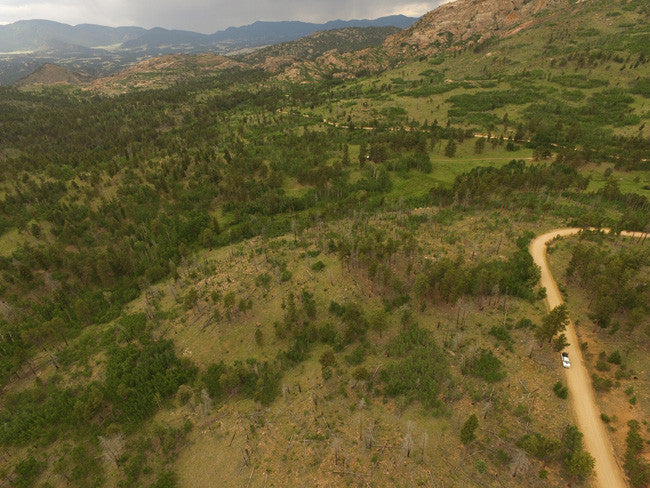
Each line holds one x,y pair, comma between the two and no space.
520,463
407,445
206,402
425,441
369,435
336,445
112,447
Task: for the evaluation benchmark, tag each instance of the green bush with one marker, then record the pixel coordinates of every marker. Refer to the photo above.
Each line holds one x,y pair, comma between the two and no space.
636,466
560,390
539,446
420,369
615,358
27,471
485,365
602,365
502,334
468,431
600,383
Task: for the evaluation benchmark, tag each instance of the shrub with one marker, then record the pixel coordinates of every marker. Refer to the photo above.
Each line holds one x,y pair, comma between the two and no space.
615,358
263,281
502,334
468,431
420,370
637,468
285,275
184,394
27,471
259,337
481,466
560,390
524,324
361,374
485,365
537,445
327,358
357,355
168,479
602,365
601,384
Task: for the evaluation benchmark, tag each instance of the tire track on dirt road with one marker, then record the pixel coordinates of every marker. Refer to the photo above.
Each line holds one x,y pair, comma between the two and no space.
583,401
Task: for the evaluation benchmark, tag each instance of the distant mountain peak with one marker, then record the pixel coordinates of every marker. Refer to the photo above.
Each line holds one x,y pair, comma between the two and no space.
103,50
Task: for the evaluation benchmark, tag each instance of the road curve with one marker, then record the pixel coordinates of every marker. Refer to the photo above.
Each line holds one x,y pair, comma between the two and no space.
587,414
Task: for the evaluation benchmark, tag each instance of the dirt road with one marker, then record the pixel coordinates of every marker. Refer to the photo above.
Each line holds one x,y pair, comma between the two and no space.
609,473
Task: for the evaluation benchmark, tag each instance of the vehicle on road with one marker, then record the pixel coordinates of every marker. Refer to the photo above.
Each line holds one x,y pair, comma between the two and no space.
565,360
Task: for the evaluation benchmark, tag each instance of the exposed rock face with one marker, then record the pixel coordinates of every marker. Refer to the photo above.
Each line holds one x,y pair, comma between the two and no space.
53,74
341,65
451,26
464,22
275,64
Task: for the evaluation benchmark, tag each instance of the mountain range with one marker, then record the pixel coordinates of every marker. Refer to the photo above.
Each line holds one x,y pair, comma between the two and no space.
100,50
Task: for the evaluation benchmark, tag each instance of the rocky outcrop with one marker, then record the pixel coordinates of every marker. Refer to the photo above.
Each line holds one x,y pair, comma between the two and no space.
466,22
164,71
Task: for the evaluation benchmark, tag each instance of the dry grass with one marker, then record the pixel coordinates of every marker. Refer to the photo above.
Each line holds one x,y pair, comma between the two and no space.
293,442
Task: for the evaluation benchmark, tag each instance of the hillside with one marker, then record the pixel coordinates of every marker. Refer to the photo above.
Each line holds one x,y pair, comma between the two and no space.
51,74
460,26
164,71
310,47
515,85
469,22
215,273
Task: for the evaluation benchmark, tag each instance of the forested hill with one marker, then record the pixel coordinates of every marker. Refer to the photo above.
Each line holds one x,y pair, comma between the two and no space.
215,274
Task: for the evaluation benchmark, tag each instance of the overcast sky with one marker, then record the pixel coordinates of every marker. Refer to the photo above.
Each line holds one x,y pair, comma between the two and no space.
204,15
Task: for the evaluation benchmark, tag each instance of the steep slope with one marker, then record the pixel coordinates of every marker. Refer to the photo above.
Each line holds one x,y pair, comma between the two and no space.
468,22
450,27
52,74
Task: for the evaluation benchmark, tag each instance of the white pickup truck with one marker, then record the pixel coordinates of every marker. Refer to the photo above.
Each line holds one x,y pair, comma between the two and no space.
565,360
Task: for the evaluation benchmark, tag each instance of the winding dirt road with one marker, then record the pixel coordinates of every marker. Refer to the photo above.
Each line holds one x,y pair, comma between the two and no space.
587,414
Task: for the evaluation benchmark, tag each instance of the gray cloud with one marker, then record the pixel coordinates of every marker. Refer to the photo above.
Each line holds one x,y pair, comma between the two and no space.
204,15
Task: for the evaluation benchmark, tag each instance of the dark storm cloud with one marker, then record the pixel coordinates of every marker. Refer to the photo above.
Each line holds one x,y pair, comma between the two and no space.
204,15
